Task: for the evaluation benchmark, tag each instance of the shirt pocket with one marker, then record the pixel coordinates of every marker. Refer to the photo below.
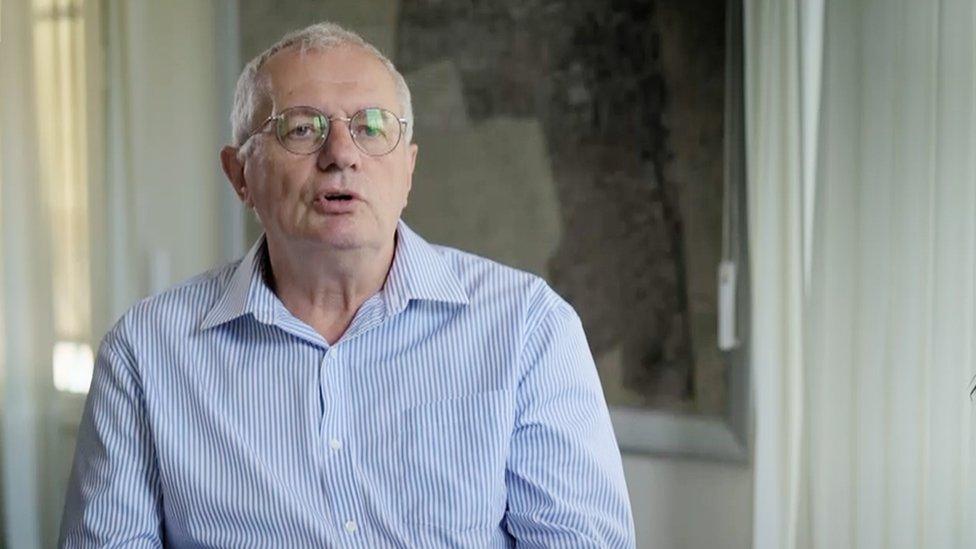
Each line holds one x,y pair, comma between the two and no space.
453,453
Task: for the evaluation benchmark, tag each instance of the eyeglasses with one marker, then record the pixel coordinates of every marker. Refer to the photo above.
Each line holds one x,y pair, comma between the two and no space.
304,130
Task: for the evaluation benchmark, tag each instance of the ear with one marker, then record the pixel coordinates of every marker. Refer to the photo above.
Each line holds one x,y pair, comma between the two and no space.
412,161
234,170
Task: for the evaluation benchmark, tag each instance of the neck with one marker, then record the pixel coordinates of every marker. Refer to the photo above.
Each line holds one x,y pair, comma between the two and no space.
325,287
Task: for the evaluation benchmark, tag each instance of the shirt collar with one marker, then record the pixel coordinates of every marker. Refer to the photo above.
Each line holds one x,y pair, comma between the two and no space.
418,271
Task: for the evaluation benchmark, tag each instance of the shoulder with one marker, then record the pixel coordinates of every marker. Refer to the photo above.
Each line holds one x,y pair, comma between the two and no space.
178,309
489,282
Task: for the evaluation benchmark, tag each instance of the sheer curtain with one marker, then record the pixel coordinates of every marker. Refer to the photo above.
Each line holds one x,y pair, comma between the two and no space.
25,304
50,140
864,254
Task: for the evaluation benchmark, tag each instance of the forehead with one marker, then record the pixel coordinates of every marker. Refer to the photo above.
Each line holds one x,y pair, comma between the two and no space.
338,78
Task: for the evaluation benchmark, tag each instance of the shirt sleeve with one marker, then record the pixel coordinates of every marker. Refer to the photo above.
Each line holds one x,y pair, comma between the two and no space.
114,497
564,476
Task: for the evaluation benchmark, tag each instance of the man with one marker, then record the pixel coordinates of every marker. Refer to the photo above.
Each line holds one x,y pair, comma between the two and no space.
345,383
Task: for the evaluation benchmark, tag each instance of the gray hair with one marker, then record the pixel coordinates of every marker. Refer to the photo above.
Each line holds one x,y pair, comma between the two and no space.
252,90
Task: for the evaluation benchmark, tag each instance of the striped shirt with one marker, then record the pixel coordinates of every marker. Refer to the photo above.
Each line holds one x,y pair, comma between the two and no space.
461,408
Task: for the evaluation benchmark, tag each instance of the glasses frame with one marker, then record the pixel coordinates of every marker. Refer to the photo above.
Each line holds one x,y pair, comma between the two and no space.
347,119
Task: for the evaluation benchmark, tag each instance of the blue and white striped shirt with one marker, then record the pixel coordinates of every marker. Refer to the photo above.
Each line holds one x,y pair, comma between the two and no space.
461,408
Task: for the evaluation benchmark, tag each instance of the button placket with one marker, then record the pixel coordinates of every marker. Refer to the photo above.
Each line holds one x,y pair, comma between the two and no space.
339,475
332,382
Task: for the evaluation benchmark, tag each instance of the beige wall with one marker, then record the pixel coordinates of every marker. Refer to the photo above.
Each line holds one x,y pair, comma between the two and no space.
680,504
171,140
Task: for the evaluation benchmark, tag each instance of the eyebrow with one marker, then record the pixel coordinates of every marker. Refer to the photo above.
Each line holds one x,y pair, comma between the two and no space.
346,114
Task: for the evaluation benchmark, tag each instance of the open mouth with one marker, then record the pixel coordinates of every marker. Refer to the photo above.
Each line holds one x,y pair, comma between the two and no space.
335,202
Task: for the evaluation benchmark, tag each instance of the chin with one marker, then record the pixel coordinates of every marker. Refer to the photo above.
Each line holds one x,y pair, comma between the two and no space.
345,233
339,233
344,238
344,242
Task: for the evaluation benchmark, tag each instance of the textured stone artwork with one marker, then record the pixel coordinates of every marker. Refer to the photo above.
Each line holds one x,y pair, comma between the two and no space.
578,139
629,98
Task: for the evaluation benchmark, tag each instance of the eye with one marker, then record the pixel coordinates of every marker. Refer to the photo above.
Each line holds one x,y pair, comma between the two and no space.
302,131
371,124
302,125
367,130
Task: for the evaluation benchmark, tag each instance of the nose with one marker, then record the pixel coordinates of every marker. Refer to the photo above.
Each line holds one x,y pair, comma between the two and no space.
338,152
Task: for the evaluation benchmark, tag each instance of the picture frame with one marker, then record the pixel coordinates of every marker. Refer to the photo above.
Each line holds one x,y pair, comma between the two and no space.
725,437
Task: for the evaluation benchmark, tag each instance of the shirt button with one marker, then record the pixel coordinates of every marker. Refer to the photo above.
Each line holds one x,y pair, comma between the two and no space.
335,444
351,526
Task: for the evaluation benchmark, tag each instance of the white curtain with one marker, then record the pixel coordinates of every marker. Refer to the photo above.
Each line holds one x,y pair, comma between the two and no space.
49,128
863,236
109,117
24,305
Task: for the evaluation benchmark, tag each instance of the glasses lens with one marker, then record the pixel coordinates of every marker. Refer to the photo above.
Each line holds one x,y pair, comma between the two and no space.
376,131
302,130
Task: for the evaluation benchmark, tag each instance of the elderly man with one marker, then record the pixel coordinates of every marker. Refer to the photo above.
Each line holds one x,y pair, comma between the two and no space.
346,383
